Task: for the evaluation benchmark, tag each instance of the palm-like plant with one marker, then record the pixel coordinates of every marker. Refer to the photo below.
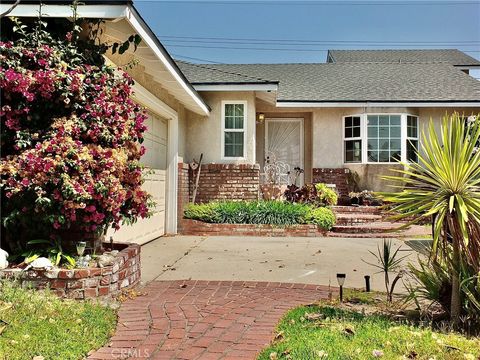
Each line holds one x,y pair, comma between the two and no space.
445,183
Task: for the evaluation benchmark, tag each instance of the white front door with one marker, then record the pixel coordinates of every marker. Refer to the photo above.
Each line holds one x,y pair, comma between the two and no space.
155,159
284,142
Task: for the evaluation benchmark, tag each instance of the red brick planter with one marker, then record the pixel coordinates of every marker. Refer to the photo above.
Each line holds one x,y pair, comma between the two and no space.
194,227
86,283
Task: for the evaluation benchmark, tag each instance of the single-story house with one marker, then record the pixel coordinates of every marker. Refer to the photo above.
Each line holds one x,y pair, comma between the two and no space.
361,111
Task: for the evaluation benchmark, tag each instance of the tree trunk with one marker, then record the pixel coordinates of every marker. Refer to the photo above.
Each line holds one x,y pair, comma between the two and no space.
455,303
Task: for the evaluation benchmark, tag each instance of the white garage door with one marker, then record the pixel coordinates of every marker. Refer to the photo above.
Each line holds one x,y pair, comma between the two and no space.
155,159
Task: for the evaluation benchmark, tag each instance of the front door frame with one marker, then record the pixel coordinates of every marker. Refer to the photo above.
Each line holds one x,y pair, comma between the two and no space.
302,134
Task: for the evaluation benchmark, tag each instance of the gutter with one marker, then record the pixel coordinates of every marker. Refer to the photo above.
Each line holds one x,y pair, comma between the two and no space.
236,86
375,103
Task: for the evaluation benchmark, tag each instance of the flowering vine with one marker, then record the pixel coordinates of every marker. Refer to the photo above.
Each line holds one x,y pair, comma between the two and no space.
71,135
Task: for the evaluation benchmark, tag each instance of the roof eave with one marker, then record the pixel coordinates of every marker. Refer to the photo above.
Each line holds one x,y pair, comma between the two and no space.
376,103
236,86
119,11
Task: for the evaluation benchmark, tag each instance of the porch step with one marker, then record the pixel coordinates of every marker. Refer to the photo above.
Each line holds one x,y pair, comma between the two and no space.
380,229
377,227
357,209
344,219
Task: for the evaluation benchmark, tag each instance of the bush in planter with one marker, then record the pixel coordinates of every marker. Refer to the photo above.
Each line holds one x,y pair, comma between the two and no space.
326,195
314,194
202,212
254,212
70,137
322,216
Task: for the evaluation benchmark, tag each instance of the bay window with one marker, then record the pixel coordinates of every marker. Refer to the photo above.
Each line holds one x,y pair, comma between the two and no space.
380,138
234,129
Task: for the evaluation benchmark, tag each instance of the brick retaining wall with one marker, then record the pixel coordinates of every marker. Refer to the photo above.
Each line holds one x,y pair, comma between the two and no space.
194,227
183,192
333,176
86,283
227,182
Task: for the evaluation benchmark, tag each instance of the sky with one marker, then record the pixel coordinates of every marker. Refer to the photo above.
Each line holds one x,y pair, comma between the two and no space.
246,31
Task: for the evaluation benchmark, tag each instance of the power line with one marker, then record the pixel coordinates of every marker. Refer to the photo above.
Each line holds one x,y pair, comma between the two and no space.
312,43
322,2
316,41
194,58
265,49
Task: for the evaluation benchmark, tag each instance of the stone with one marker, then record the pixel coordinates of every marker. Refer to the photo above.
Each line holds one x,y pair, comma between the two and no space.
105,260
40,263
3,259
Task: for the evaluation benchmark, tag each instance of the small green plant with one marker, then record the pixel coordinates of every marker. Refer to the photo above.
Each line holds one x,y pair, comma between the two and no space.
388,261
202,212
50,249
323,217
326,195
253,212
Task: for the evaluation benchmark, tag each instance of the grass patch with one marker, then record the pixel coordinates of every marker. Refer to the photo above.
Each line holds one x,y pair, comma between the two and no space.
37,323
317,332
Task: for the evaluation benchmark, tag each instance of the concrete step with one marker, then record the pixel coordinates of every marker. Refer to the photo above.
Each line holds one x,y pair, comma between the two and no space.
358,209
371,228
354,219
380,229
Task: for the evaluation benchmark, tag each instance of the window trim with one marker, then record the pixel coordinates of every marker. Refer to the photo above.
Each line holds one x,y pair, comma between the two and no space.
244,130
345,139
364,137
408,138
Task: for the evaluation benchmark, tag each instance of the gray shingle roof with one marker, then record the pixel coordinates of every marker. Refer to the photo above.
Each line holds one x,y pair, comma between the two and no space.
346,82
445,56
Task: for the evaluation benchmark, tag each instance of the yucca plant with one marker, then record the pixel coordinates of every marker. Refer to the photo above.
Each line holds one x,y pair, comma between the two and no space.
445,183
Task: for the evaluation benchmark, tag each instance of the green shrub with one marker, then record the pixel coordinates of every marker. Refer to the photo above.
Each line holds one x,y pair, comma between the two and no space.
278,213
322,216
254,212
326,195
202,212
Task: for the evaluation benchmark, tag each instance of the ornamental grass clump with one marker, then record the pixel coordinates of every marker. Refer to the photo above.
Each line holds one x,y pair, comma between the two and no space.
70,131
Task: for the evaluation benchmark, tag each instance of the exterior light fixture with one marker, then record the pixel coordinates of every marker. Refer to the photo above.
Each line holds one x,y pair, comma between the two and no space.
261,117
341,281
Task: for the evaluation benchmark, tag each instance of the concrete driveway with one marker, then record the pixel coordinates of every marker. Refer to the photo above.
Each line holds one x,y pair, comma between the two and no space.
293,260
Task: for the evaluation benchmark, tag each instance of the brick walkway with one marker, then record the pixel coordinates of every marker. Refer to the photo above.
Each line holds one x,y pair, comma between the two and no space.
204,319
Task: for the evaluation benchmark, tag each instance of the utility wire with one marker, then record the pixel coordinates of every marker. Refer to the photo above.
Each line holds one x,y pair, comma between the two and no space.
214,39
303,44
321,3
266,49
194,58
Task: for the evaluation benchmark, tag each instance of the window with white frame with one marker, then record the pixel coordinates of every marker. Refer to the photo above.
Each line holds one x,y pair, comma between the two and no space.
353,139
384,138
380,138
412,138
234,124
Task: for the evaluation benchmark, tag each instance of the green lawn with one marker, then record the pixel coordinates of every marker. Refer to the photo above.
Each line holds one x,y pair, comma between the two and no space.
317,332
40,324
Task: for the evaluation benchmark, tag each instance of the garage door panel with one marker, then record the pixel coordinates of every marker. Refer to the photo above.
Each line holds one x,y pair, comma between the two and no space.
155,161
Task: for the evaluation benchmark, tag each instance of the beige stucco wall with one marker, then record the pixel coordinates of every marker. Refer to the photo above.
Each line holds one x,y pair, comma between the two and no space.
204,134
328,140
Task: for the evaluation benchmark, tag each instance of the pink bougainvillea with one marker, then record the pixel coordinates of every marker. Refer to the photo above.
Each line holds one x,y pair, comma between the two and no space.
71,138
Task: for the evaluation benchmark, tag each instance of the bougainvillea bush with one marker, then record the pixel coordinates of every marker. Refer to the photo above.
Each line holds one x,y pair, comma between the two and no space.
70,135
